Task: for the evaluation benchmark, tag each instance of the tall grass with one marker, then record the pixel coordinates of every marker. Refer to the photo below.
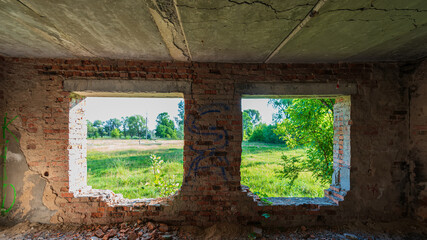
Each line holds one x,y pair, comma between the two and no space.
260,163
128,172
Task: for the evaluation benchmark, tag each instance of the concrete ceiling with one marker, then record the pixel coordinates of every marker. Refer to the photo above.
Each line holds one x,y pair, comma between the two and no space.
216,30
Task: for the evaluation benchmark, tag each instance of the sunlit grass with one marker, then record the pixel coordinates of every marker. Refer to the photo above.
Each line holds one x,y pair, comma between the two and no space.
128,172
260,164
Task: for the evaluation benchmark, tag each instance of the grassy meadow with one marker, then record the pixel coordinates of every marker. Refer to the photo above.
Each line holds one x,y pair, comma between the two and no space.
124,166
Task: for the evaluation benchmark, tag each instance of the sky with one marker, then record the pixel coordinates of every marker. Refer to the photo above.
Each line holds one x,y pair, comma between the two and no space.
104,108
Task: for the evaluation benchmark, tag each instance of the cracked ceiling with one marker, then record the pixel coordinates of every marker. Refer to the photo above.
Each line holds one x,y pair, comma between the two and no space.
216,30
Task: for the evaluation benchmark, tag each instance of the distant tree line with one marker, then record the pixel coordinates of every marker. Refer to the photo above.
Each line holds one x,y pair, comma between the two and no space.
136,127
255,131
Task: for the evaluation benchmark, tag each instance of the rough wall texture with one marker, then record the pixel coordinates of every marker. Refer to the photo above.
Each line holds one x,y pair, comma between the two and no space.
418,139
211,191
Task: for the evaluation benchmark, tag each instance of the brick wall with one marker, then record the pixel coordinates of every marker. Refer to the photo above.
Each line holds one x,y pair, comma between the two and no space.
211,190
418,140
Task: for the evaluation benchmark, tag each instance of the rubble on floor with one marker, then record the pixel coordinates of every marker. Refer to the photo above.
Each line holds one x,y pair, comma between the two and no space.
150,230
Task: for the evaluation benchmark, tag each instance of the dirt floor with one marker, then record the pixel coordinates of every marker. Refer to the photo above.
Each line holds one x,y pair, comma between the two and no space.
404,229
110,145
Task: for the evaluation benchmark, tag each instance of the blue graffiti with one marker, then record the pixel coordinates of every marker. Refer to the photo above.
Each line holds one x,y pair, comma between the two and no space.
215,132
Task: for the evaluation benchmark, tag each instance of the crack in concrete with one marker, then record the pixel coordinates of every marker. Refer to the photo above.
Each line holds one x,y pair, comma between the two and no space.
61,38
25,5
312,13
235,3
166,18
375,9
243,23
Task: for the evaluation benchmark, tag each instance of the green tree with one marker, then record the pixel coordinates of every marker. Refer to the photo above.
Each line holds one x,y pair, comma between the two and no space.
265,133
250,118
165,127
124,121
280,105
115,133
136,125
180,120
91,130
98,124
309,123
112,124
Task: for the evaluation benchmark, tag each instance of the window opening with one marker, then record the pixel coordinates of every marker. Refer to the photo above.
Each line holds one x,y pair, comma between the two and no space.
287,147
135,145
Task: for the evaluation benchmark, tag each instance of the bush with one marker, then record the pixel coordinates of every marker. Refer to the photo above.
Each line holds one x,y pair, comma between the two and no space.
165,184
115,133
265,133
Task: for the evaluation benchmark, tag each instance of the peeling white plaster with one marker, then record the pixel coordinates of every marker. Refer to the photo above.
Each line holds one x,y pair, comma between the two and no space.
14,157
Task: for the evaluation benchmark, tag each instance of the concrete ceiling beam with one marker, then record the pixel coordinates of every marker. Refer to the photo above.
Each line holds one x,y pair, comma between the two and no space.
166,16
294,32
295,90
127,88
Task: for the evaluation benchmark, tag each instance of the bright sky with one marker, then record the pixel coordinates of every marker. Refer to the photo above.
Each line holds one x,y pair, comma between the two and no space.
103,108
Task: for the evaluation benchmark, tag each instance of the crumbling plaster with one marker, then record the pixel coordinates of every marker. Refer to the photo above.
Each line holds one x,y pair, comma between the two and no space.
380,140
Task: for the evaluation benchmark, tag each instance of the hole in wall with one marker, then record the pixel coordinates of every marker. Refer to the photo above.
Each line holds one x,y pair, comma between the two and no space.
283,152
134,145
294,148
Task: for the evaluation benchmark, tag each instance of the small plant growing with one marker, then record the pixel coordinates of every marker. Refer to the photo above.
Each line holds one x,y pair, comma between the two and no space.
252,236
263,198
165,184
292,167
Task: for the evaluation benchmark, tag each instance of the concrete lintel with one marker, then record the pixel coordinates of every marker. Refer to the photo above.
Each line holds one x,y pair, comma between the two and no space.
280,90
127,88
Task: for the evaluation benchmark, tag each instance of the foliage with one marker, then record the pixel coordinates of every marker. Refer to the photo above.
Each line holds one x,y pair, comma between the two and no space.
115,133
260,164
309,123
99,127
165,184
292,167
180,120
136,126
111,124
265,133
280,105
165,127
92,132
250,118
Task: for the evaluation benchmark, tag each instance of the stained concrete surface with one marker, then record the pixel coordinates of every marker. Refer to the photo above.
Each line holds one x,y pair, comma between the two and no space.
236,31
121,29
216,31
359,30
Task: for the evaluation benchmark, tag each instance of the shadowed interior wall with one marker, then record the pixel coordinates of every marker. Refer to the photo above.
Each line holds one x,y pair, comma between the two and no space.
380,186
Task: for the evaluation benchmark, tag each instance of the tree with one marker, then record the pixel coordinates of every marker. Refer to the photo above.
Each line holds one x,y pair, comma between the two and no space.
309,123
115,133
180,120
136,125
125,125
250,118
98,124
280,105
112,124
265,133
165,127
92,132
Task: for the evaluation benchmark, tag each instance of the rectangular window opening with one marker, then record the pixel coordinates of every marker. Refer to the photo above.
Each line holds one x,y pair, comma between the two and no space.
290,150
134,145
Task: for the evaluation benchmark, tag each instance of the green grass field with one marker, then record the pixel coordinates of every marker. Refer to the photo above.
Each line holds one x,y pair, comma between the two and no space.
128,171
